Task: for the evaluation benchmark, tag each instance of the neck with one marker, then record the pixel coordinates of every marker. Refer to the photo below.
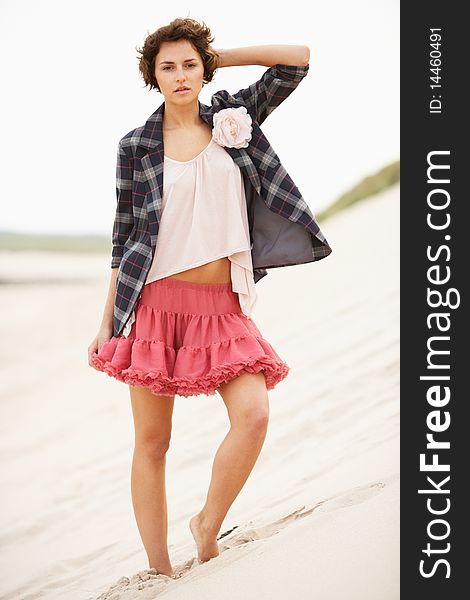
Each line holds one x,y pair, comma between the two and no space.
176,116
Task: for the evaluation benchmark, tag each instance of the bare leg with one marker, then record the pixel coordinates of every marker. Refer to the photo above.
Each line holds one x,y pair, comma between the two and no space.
152,424
246,399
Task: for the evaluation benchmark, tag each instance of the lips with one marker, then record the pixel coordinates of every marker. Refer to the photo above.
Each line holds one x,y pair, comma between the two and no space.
182,89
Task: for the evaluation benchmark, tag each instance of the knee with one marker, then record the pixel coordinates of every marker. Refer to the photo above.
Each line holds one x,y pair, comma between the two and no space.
154,448
255,421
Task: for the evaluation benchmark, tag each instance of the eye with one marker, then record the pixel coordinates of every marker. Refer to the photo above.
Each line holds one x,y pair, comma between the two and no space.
189,65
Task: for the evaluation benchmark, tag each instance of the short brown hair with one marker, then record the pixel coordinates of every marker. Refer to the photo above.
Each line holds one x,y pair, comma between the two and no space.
199,35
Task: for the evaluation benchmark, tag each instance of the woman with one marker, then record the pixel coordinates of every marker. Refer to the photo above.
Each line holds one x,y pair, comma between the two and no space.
187,251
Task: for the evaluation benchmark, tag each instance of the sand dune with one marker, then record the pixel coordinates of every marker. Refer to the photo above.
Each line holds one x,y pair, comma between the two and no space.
318,517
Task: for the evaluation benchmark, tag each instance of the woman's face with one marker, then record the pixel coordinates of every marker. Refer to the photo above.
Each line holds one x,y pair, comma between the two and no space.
178,64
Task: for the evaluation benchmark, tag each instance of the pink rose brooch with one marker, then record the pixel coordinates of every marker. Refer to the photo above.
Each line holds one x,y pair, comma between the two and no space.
232,127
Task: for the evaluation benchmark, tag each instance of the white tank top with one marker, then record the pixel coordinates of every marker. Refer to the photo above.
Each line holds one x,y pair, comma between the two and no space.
203,218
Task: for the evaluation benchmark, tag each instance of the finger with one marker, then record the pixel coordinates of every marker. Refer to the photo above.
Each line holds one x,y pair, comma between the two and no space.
90,353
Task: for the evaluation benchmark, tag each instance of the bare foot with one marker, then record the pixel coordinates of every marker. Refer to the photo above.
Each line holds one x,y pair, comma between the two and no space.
168,571
206,541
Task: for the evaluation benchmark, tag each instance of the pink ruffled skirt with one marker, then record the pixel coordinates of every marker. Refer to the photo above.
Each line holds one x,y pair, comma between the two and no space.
187,339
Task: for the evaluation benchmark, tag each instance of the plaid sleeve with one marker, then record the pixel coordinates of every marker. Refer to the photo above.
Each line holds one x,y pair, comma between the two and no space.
263,96
123,220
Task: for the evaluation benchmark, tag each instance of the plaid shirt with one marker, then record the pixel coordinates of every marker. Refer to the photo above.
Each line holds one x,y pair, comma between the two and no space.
283,230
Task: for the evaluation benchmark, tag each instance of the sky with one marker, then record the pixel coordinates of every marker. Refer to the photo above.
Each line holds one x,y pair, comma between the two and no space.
72,89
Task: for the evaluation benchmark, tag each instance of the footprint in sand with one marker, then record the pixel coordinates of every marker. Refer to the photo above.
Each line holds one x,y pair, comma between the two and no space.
353,496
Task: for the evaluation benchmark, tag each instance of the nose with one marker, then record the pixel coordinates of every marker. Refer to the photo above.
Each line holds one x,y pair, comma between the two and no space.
180,75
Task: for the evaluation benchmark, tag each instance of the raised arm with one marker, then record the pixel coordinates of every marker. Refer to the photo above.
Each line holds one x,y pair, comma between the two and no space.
266,55
288,65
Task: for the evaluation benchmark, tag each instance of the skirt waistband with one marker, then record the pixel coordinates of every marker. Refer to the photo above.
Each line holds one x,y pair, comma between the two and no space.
188,297
191,285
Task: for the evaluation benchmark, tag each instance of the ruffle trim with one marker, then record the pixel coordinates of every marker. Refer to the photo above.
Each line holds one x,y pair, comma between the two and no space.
119,358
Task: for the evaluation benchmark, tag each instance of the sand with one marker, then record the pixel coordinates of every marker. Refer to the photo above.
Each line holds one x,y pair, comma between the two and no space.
319,515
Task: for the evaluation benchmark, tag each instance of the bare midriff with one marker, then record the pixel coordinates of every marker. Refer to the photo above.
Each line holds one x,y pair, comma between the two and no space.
216,271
